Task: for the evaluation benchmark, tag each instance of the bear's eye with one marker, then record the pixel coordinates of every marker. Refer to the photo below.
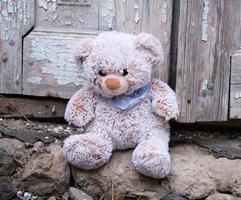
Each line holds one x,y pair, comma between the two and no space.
101,73
125,72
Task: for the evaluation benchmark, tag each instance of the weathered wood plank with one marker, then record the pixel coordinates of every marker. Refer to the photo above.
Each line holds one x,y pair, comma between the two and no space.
16,19
106,15
49,67
68,14
209,31
235,86
31,107
153,16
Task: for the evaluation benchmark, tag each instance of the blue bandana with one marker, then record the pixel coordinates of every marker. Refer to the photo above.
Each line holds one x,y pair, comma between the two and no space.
124,102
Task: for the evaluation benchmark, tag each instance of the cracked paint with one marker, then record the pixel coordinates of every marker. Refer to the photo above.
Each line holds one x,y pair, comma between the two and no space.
13,15
106,14
205,21
48,4
136,14
34,79
57,55
238,96
43,4
164,9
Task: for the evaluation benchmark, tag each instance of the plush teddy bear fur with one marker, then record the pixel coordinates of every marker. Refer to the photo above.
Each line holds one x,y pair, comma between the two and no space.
143,127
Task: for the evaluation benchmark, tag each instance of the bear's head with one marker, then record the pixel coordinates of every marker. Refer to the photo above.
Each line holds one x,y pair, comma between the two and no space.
119,63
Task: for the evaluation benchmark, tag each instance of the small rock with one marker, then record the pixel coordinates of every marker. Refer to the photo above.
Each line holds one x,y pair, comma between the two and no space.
1,135
11,145
45,174
52,198
27,196
58,129
7,192
76,194
173,197
28,145
19,193
7,163
219,196
65,196
38,147
80,130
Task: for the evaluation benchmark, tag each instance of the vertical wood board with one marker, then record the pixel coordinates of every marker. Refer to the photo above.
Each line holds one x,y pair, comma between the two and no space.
209,31
235,86
16,19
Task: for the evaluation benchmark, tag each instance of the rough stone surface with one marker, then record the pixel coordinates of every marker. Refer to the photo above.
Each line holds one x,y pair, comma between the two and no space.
173,197
7,163
120,176
52,198
11,146
219,196
7,192
41,170
45,174
76,194
195,174
9,151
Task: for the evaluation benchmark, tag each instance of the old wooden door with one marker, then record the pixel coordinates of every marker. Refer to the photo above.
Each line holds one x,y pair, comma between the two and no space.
209,31
48,50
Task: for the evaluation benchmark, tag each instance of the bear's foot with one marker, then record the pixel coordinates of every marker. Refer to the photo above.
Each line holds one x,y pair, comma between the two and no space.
87,151
152,159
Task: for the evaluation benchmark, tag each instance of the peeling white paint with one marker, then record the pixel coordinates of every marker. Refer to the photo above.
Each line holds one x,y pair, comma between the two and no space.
4,13
205,20
53,6
25,12
17,78
56,53
50,5
55,17
106,14
75,2
34,79
204,85
5,34
81,19
164,12
14,15
238,96
43,4
11,7
136,14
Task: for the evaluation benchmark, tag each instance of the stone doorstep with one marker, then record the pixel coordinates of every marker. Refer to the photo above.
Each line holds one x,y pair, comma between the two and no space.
195,174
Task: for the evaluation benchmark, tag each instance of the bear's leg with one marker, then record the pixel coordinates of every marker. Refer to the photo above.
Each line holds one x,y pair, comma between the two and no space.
151,156
89,150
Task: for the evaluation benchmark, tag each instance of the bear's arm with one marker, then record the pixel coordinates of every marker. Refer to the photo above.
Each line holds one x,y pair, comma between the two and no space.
80,109
164,102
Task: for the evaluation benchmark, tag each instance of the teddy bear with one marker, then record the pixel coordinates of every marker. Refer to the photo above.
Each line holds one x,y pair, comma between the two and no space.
121,106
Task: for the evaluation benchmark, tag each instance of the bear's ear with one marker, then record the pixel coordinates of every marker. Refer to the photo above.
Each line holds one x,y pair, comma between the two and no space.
147,42
84,51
